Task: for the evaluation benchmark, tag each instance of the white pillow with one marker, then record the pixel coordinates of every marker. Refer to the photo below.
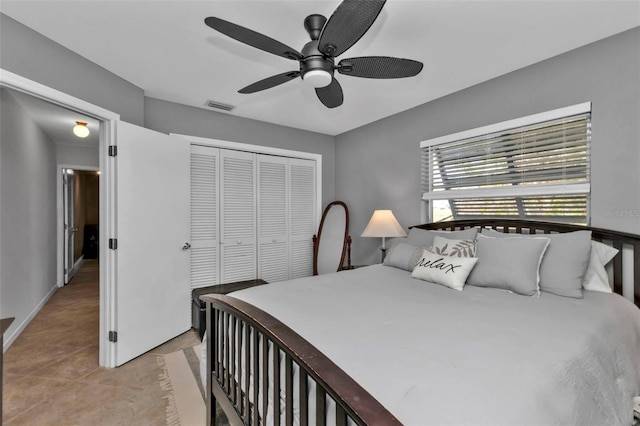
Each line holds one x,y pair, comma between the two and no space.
596,277
424,238
457,248
446,270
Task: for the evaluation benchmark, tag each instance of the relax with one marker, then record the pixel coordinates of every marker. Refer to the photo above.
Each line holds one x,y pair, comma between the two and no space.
438,264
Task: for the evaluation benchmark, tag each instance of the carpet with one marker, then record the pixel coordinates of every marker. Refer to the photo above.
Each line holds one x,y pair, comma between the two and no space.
180,379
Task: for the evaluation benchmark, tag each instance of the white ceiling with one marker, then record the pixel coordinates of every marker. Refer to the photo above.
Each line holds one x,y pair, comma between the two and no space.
58,122
165,48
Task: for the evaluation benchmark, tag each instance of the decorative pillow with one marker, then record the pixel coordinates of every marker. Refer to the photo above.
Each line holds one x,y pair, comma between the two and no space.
565,262
596,278
402,255
424,238
457,248
509,263
446,270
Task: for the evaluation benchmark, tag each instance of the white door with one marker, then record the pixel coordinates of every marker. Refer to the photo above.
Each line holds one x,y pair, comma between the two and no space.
205,243
68,183
152,287
238,216
273,218
304,217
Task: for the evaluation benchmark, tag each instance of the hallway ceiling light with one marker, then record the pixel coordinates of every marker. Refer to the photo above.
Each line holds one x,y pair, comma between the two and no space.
80,129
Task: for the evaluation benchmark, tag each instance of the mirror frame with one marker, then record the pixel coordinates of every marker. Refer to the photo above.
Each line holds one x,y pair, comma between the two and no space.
346,243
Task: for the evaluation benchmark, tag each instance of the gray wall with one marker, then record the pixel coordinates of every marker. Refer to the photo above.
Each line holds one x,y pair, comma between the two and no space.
168,117
378,165
30,55
74,155
28,234
28,191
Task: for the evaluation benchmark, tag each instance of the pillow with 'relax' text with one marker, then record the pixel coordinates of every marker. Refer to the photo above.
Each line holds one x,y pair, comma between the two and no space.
445,270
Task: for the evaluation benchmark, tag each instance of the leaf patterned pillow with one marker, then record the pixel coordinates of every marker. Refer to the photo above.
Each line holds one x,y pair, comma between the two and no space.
455,248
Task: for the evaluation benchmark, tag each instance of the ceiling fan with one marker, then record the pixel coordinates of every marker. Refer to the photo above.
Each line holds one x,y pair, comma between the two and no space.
329,39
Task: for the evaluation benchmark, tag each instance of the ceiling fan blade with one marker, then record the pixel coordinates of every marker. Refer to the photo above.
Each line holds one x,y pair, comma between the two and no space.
252,38
331,96
379,67
270,82
349,22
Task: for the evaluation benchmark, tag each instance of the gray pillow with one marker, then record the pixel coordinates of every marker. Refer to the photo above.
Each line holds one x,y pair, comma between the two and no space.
424,238
403,256
508,263
564,263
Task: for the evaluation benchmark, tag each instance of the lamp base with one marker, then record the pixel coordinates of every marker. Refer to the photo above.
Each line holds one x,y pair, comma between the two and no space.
384,253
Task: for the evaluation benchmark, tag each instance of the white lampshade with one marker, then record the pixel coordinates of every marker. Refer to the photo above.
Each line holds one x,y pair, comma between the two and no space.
80,129
383,224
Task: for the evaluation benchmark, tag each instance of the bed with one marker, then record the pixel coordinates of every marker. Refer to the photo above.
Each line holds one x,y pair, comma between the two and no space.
380,345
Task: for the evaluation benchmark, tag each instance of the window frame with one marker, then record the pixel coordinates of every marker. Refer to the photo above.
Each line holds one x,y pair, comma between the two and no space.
582,187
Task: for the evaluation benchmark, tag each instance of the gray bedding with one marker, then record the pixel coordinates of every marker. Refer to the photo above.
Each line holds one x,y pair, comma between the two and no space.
433,355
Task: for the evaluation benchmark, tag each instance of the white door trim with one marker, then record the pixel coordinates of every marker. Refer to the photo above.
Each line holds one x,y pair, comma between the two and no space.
108,121
60,214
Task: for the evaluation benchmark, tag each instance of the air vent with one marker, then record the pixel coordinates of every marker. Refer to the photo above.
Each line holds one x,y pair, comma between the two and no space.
219,105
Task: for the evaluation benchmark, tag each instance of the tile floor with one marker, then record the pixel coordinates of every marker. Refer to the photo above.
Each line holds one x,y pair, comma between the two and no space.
51,372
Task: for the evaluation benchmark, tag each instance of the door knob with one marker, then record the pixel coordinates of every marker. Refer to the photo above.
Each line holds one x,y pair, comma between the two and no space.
186,246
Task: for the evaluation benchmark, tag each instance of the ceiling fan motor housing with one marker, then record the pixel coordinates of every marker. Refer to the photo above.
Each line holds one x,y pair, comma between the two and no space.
314,25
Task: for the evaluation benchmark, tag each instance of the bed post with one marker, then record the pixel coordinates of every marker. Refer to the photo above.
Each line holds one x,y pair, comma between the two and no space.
636,273
211,401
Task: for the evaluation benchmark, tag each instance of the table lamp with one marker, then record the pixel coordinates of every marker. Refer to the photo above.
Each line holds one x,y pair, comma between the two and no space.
383,224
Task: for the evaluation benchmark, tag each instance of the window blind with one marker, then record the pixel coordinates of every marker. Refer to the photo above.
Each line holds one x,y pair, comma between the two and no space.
535,167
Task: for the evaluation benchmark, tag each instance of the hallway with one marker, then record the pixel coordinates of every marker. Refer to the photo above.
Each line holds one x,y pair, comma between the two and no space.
51,372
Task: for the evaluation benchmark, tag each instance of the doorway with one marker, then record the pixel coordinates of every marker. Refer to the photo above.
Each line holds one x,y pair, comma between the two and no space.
106,130
80,216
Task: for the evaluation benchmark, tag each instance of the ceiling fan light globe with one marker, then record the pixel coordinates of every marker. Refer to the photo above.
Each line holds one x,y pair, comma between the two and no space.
317,78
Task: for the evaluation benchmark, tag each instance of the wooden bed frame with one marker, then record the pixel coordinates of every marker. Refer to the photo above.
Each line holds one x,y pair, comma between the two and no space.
234,368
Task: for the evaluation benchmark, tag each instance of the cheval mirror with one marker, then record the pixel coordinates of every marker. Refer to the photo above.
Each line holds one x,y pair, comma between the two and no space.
332,242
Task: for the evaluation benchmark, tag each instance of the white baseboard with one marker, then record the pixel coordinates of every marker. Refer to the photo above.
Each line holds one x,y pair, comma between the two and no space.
10,339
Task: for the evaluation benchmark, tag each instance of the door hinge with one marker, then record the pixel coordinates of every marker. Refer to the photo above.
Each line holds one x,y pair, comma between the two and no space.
113,336
113,150
113,243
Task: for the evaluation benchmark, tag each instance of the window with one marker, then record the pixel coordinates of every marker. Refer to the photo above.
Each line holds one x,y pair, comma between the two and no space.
535,167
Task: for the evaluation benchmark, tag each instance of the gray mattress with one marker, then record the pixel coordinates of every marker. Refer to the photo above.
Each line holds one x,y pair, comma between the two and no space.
433,355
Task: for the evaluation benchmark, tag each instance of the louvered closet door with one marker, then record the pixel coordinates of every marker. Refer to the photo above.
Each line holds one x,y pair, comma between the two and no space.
273,253
238,216
303,210
204,216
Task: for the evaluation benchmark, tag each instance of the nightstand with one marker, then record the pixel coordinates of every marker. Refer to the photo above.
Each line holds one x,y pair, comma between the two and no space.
199,309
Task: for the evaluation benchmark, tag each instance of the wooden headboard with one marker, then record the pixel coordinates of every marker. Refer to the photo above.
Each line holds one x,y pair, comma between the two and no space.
619,240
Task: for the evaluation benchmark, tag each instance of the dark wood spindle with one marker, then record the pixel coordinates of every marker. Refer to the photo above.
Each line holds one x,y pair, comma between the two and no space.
288,386
265,376
303,395
276,384
321,406
256,376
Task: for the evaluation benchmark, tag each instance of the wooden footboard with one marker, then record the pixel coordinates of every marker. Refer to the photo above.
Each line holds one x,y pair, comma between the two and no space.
619,240
243,371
